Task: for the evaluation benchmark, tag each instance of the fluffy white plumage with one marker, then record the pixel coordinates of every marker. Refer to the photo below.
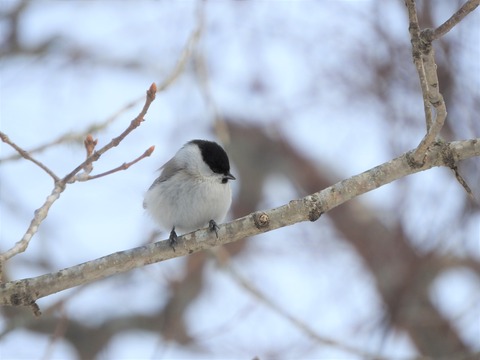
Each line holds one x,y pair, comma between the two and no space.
188,194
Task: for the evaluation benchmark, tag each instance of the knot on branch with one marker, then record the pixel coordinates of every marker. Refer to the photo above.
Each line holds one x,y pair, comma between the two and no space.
316,209
24,299
448,157
427,35
412,162
416,159
261,220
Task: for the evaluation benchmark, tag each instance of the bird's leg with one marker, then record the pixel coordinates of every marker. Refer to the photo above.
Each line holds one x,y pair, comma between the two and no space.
212,225
173,238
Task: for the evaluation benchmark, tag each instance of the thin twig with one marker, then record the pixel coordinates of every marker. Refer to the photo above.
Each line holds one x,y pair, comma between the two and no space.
39,215
151,92
414,30
424,59
182,60
452,164
77,136
436,100
467,8
23,153
124,166
462,182
173,75
60,185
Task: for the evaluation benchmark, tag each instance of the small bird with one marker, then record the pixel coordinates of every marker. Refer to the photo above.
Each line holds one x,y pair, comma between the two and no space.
193,189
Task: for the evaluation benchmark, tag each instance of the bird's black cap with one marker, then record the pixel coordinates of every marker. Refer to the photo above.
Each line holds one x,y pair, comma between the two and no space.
215,157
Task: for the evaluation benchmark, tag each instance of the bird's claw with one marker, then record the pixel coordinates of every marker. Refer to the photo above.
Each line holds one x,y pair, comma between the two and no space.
173,238
212,225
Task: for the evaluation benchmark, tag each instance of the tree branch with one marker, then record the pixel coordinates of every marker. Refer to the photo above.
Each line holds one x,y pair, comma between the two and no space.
25,292
187,51
414,30
78,136
124,166
424,59
467,8
151,92
23,153
60,185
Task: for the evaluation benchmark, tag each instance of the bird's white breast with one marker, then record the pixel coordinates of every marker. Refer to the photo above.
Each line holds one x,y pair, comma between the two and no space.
188,202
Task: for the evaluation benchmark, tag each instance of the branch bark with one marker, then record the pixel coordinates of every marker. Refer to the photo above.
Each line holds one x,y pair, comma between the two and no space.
26,291
424,60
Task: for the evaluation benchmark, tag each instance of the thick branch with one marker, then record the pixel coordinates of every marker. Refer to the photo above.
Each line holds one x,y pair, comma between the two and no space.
27,291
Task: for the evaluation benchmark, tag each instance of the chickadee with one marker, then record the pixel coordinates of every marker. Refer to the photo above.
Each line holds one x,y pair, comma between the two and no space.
192,190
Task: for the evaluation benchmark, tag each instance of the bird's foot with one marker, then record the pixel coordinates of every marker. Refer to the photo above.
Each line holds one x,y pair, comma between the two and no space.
173,238
212,225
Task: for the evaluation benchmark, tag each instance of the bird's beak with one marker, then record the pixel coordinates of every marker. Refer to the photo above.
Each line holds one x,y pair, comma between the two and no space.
229,176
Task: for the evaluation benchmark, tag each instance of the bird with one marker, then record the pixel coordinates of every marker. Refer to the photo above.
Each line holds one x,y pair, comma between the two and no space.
193,190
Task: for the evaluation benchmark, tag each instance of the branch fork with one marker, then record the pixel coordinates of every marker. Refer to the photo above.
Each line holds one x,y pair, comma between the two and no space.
424,59
92,155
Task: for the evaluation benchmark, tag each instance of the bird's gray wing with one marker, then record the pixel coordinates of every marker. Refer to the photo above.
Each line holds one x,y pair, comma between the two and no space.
170,168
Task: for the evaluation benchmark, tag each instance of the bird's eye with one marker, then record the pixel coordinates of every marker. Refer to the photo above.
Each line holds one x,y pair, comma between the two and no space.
224,180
